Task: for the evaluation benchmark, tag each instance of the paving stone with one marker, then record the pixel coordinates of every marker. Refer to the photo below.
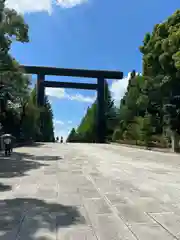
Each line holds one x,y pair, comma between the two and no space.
96,206
43,220
46,193
76,234
107,227
11,218
132,214
38,225
170,221
151,232
72,216
85,184
20,190
56,195
149,204
116,199
68,188
69,199
89,193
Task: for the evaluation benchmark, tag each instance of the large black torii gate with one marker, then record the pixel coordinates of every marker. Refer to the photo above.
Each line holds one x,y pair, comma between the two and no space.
99,86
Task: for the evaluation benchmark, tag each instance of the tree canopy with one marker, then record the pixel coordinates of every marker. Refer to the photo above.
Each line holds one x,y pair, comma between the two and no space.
19,113
149,112
87,130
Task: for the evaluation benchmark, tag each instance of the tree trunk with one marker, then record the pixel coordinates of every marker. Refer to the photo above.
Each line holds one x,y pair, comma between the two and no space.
175,137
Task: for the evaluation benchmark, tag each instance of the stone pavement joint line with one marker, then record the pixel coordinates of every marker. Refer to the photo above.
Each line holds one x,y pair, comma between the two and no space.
113,208
175,237
89,192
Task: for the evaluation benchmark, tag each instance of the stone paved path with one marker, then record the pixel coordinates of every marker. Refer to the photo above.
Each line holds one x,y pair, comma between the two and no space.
89,192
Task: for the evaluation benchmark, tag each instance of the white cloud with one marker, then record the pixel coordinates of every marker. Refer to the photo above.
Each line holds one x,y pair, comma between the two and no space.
69,3
62,94
81,98
118,89
27,6
56,92
58,122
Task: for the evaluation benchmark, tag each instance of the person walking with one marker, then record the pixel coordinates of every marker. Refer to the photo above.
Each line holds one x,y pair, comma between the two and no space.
7,139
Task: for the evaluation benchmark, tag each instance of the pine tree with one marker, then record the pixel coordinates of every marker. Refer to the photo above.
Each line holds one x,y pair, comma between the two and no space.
47,129
110,113
72,137
87,130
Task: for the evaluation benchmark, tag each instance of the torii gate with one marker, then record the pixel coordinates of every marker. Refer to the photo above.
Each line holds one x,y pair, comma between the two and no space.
99,87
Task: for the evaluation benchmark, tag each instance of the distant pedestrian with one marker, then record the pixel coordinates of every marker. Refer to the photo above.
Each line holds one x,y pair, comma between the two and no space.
7,140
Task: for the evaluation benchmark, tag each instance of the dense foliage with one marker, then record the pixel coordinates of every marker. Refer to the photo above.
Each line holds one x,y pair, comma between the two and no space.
149,113
19,113
86,132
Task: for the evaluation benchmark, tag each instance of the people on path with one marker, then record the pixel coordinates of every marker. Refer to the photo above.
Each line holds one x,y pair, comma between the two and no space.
8,144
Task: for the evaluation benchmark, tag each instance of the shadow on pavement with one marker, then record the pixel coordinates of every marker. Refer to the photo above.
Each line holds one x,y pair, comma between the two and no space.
18,164
26,217
44,158
4,187
27,144
35,144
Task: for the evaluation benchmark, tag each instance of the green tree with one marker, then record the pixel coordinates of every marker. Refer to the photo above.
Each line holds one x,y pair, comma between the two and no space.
19,113
161,56
12,28
72,136
110,113
151,104
87,130
47,122
30,114
147,130
13,83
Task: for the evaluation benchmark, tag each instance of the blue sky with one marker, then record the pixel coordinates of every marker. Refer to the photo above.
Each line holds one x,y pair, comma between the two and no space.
91,34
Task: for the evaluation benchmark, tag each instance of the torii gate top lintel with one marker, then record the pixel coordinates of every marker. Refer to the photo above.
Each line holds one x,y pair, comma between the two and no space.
106,74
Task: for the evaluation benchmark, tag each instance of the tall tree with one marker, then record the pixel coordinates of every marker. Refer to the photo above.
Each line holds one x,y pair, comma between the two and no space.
87,130
72,137
19,113
30,118
13,83
161,56
47,122
110,113
12,28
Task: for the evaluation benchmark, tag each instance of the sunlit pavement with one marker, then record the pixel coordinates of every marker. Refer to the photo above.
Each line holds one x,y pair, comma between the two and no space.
87,192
